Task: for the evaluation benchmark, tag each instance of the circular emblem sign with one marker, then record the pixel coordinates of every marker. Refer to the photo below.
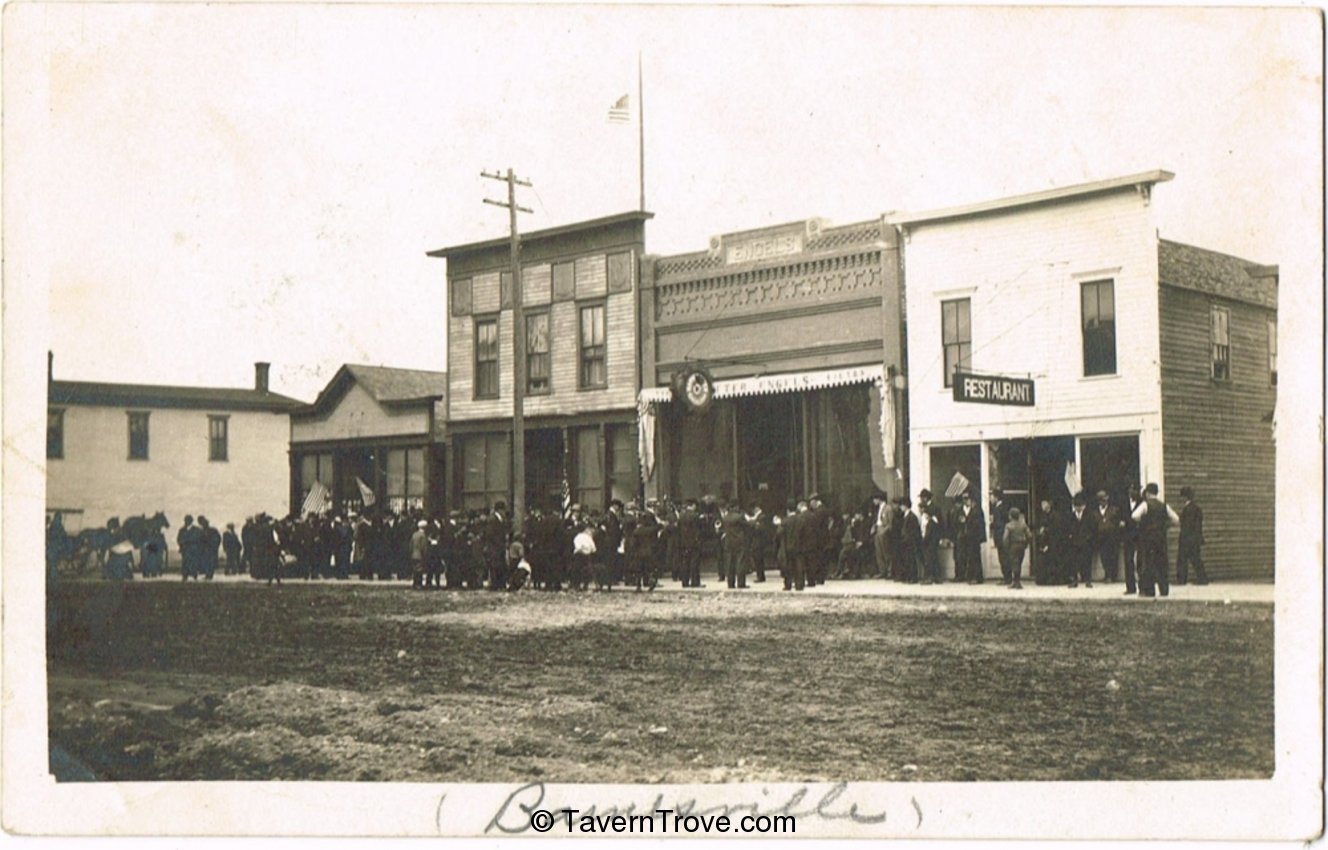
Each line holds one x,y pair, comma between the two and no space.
695,389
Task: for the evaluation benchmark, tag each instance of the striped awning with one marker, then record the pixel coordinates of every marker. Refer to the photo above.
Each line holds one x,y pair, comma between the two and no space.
789,383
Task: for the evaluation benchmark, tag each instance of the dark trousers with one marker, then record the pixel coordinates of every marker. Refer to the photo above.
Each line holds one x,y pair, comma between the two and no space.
1001,555
1079,566
1153,567
796,574
691,566
968,560
1131,548
497,571
735,565
1016,558
1109,552
1190,554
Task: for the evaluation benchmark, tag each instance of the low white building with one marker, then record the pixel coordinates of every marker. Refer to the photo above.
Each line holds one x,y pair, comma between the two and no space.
119,450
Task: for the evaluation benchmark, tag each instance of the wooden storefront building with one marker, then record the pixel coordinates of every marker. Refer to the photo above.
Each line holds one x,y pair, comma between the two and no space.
375,429
579,297
798,330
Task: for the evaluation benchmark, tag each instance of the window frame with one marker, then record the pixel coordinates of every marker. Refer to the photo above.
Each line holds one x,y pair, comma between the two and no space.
947,375
488,319
547,354
225,439
1098,285
144,417
581,307
1219,353
59,414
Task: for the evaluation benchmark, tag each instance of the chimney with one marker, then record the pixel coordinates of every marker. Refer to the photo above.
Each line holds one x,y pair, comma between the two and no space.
260,376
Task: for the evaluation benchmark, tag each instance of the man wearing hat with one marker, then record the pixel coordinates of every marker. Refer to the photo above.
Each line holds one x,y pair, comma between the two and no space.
970,532
1080,538
1110,524
1191,540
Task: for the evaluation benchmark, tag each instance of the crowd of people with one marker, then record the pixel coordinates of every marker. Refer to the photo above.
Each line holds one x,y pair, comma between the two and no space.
638,545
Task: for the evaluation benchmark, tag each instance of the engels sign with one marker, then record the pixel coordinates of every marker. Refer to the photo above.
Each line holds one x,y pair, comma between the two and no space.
750,250
993,389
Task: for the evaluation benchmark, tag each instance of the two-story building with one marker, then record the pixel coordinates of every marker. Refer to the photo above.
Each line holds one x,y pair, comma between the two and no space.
1056,344
375,430
773,365
120,450
579,292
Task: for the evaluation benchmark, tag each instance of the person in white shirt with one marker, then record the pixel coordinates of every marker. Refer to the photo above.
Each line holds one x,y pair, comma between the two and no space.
1153,517
583,557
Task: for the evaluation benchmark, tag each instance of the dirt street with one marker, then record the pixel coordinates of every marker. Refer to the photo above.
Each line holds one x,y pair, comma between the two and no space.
240,681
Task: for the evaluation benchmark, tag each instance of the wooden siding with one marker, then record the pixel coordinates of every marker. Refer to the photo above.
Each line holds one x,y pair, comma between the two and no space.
564,337
1023,270
358,415
1214,436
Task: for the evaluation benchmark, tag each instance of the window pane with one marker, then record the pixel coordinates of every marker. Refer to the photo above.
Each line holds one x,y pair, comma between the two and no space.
1106,301
414,472
964,332
138,436
55,433
948,325
966,357
499,465
396,472
537,333
472,460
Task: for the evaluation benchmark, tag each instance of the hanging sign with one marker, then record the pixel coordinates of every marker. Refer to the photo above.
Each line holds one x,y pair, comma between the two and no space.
993,389
694,387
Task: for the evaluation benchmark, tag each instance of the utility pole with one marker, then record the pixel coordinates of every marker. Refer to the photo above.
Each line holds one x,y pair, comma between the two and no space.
518,352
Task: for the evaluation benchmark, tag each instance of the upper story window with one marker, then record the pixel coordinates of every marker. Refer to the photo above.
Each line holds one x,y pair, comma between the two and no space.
1099,322
218,437
138,435
537,353
594,372
956,337
486,358
1221,343
1272,352
55,433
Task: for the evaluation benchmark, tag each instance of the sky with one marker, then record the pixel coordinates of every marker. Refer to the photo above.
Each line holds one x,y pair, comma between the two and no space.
191,188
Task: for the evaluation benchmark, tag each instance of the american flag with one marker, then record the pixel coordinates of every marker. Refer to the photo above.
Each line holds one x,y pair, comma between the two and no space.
958,485
1072,482
621,112
567,485
366,494
318,500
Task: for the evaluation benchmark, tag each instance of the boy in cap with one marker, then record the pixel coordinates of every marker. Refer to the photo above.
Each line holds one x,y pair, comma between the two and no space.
1191,540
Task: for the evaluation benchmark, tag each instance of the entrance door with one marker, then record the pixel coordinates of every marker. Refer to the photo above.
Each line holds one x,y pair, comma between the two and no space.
1111,464
769,457
544,468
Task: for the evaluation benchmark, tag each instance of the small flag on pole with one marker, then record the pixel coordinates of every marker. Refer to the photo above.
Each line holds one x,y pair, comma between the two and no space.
318,499
366,494
958,485
621,111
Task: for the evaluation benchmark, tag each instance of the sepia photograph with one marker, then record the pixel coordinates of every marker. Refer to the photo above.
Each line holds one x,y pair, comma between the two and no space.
651,421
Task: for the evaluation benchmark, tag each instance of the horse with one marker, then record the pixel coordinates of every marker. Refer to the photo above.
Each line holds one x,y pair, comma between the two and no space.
140,529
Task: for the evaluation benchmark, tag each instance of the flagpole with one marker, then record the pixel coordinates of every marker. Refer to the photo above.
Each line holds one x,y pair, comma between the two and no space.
641,131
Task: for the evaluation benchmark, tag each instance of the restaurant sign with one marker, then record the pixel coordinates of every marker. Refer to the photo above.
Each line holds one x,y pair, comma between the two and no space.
993,389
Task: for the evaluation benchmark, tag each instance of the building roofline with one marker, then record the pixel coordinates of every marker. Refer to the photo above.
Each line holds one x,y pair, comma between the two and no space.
1078,190
105,394
547,233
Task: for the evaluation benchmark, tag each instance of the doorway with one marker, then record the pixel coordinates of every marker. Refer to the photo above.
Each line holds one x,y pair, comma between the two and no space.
769,450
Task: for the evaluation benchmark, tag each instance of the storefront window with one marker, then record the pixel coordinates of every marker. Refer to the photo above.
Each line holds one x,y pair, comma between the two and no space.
485,470
316,466
623,475
955,469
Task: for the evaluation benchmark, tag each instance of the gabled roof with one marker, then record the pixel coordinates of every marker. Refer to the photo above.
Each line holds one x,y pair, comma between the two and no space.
1078,190
1223,275
157,395
387,386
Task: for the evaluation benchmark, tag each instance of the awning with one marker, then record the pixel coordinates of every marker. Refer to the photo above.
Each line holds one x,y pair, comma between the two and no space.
770,384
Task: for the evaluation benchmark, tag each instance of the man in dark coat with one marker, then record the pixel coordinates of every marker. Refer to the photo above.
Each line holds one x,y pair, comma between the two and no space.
970,532
689,544
1130,539
1050,540
1080,540
610,553
796,528
1191,540
1000,515
1109,528
230,542
761,539
910,543
189,539
643,552
734,545
494,543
